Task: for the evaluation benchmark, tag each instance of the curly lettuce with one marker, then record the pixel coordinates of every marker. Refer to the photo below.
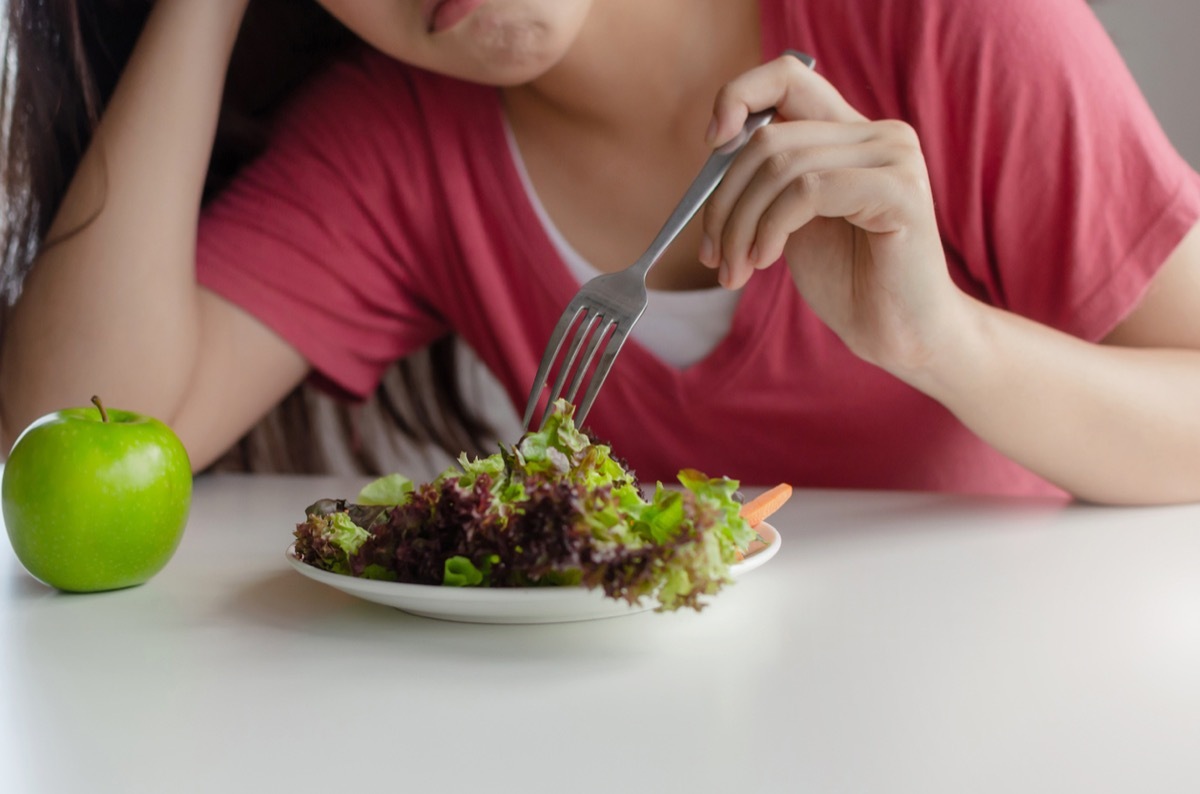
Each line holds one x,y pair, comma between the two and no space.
556,509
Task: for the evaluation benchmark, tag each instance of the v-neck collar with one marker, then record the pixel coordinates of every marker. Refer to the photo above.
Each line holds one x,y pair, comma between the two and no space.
558,285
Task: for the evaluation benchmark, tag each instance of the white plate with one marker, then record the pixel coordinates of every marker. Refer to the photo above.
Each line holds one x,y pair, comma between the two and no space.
506,604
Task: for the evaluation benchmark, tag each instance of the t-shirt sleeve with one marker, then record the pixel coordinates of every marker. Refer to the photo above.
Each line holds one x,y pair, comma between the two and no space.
325,236
1057,189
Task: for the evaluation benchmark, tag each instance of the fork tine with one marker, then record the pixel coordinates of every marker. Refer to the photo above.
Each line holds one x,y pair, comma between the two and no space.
557,336
615,343
589,356
578,336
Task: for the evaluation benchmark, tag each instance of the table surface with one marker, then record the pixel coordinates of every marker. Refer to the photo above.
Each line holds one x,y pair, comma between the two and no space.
897,643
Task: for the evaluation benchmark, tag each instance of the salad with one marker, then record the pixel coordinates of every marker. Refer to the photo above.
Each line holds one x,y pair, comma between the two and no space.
556,509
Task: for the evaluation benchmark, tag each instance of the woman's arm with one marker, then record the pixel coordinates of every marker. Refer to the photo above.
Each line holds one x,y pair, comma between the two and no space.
1114,423
111,306
849,202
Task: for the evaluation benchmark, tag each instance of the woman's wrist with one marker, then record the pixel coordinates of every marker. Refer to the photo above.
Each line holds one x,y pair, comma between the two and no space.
952,361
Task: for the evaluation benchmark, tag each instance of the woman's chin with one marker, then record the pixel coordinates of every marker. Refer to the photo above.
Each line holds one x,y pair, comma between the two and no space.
507,51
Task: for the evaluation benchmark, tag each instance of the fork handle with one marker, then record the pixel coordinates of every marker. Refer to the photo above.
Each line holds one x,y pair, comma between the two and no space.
707,180
701,188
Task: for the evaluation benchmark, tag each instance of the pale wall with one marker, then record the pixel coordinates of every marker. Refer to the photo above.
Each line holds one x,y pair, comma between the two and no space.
1159,41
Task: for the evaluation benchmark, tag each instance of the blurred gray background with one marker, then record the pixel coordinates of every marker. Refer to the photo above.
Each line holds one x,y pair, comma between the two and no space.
1159,41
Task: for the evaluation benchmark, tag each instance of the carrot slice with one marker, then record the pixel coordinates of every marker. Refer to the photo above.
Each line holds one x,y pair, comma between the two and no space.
757,509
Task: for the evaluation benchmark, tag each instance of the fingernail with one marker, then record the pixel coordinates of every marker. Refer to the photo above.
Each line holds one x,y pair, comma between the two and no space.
706,249
712,131
723,274
754,256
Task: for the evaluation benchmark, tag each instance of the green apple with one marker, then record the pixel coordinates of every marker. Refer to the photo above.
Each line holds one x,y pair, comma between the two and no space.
95,499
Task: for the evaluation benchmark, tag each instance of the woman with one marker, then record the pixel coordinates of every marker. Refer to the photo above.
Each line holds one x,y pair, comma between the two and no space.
962,259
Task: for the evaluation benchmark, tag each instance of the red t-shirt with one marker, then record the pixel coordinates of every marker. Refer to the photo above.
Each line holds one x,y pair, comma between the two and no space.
388,211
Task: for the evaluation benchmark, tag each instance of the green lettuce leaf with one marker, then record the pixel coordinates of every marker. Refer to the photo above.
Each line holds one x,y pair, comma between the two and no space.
461,572
394,489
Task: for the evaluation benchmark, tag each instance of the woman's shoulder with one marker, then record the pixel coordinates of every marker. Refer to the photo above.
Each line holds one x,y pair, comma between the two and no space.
364,62
858,23
364,93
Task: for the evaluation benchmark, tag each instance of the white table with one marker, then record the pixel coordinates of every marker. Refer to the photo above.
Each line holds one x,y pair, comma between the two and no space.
897,643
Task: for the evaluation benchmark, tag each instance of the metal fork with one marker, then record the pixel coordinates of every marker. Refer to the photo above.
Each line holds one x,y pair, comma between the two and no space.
605,309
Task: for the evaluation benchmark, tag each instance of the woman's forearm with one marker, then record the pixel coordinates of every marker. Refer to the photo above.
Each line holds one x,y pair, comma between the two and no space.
1109,424
109,306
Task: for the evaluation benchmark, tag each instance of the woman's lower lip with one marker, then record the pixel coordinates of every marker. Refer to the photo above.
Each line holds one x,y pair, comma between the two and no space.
449,13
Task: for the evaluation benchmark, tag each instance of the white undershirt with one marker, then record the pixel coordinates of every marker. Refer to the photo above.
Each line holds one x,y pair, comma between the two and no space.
680,327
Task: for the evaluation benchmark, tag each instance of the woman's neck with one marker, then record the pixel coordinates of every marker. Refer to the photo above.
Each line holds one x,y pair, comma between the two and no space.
642,67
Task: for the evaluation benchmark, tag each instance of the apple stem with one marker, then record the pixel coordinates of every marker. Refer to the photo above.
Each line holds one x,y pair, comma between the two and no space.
100,407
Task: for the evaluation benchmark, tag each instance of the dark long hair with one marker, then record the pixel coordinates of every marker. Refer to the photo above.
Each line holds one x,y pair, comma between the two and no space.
62,61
